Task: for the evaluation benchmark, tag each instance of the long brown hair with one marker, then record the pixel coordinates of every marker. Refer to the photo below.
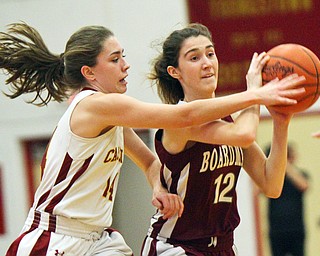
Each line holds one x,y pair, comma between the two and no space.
169,89
32,68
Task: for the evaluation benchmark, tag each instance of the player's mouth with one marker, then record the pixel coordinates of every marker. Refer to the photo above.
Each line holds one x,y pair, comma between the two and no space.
208,75
123,80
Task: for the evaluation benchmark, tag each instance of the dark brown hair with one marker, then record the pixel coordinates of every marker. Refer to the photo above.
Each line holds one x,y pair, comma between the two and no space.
169,88
32,68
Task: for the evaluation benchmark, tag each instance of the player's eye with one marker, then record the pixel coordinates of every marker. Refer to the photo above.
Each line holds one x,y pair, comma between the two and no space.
194,58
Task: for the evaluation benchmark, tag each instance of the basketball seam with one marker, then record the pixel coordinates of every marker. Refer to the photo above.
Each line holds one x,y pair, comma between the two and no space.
317,73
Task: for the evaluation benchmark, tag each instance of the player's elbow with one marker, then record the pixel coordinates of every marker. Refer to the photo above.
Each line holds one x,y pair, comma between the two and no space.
243,140
247,138
273,195
273,192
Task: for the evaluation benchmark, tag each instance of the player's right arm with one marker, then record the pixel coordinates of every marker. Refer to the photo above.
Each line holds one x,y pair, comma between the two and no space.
169,204
269,172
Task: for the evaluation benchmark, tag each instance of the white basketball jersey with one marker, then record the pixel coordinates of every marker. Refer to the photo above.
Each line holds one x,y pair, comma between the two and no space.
80,175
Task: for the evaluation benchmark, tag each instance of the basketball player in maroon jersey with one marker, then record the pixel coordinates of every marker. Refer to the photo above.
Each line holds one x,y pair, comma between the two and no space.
202,163
72,209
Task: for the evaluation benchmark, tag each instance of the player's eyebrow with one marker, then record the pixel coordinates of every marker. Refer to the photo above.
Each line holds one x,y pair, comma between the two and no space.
197,49
117,52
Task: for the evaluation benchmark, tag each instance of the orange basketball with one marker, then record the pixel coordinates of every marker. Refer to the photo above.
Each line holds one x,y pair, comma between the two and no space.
286,59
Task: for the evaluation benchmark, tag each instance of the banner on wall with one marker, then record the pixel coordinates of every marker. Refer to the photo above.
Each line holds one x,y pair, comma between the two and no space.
34,150
241,27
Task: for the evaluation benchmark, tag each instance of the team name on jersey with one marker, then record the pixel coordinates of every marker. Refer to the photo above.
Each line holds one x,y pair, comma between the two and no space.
115,154
221,156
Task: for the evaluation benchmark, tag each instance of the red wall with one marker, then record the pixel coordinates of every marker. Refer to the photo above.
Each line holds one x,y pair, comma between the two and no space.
241,27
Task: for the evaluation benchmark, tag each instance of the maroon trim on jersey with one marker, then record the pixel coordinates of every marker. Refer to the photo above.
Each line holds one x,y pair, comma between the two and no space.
228,119
110,230
13,249
174,183
61,176
43,161
156,227
44,158
42,244
163,181
64,169
40,248
52,223
43,198
143,245
153,248
59,196
152,251
36,219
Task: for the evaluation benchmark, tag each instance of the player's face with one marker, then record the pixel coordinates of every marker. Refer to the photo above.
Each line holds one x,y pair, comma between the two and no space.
110,71
198,68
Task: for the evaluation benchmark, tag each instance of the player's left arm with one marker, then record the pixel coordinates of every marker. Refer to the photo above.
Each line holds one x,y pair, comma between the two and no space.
169,204
269,172
241,132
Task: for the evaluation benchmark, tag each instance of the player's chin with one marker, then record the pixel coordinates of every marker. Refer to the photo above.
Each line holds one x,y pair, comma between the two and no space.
212,82
122,88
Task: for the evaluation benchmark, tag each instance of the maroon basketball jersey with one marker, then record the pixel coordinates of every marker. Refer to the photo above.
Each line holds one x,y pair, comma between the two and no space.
205,176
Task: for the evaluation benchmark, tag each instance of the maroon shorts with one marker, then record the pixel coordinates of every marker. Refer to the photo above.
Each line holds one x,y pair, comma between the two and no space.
215,246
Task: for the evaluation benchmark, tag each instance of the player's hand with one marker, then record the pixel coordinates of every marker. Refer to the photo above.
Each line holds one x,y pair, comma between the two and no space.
168,204
254,75
281,92
280,117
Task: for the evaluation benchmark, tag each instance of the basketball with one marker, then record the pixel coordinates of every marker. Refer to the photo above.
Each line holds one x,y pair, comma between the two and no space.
286,59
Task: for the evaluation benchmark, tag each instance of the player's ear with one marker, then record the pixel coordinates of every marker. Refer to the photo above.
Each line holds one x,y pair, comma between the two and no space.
87,73
172,71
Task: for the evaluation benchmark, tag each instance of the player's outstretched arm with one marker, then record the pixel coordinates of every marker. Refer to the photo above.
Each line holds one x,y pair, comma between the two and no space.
197,112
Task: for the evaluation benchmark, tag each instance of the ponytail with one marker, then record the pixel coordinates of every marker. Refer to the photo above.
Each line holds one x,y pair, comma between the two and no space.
31,67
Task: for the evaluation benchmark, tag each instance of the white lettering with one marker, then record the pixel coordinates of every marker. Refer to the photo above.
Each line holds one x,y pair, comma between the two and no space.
205,161
221,156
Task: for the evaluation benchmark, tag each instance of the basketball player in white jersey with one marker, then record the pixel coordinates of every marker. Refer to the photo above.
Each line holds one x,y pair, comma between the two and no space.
72,209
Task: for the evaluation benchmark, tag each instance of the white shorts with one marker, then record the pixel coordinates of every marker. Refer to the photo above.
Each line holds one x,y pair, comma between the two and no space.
62,245
67,241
